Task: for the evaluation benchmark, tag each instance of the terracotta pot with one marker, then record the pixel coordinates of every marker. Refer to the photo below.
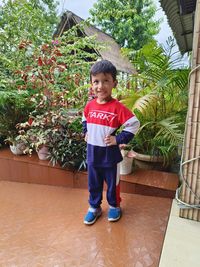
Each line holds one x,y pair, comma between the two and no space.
43,153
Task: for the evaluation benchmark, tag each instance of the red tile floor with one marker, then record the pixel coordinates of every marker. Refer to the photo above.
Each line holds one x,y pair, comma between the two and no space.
42,226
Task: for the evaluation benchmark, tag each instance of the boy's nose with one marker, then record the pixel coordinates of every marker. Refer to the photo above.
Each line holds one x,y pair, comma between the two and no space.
100,84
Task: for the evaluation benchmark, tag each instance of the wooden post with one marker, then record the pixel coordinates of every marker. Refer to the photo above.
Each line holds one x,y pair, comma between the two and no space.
190,193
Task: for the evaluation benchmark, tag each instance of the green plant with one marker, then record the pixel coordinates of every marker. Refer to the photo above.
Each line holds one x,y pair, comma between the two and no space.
14,108
23,22
159,100
61,131
42,121
34,133
60,65
1,141
131,23
67,146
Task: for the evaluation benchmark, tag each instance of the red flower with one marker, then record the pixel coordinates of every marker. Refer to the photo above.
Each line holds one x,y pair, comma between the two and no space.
30,121
50,61
25,77
45,47
53,59
24,44
61,67
57,52
18,72
40,63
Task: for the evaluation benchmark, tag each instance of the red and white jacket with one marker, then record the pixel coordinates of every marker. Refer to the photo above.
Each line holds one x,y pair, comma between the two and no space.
100,120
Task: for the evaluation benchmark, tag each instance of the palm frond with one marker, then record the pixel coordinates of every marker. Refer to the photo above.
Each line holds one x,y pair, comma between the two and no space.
145,102
169,131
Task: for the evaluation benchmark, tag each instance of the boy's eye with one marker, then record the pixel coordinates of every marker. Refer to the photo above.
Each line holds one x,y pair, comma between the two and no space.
95,82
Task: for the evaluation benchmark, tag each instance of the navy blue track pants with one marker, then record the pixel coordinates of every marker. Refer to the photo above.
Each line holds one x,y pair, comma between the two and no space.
96,178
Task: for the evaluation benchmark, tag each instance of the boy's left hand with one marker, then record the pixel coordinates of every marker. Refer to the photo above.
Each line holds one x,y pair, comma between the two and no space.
110,140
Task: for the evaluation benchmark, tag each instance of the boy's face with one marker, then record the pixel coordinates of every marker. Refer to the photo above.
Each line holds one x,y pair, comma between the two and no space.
102,84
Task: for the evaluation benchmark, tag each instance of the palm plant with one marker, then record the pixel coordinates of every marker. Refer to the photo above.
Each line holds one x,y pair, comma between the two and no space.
159,99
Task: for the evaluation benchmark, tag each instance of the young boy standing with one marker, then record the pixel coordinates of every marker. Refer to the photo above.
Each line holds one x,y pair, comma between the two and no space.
102,117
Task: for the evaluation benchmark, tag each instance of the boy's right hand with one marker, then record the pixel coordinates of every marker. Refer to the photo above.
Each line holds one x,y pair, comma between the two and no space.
110,140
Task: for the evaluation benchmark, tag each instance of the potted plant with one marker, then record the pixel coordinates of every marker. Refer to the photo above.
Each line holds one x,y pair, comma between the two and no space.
56,135
157,141
17,147
159,99
34,133
126,165
14,108
67,146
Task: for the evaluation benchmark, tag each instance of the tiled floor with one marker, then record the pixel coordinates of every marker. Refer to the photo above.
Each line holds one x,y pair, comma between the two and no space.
42,226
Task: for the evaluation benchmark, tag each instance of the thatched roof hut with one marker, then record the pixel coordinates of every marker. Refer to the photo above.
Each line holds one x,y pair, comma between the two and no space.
184,19
112,51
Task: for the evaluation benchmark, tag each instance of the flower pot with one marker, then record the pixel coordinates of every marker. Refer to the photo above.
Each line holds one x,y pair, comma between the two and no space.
148,162
126,166
18,148
43,153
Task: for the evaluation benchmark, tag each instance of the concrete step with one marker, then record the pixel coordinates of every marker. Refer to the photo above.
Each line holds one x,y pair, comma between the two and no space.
150,183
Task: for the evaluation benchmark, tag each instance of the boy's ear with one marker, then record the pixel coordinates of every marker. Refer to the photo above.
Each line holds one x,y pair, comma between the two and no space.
116,83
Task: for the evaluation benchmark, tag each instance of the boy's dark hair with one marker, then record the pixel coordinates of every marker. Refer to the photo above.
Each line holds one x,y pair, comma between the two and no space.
104,66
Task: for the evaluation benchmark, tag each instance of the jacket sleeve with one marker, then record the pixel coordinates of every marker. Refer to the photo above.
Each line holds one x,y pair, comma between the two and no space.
84,123
130,128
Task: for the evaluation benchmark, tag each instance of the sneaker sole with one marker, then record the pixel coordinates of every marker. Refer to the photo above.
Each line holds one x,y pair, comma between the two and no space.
92,222
114,219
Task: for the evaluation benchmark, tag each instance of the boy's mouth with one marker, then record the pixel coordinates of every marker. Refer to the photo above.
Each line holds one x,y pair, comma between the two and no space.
100,92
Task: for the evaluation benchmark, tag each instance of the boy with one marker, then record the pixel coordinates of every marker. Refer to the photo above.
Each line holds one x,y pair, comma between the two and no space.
101,119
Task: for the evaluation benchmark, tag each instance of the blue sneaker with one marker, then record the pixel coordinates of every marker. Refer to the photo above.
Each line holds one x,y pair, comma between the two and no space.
114,214
92,215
